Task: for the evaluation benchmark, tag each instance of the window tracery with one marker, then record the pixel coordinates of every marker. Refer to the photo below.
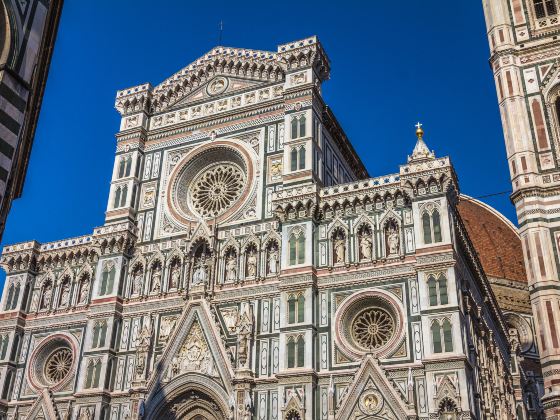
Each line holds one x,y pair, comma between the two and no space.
298,126
107,279
217,189
545,8
296,351
373,328
296,308
437,289
297,158
58,365
296,245
442,338
431,224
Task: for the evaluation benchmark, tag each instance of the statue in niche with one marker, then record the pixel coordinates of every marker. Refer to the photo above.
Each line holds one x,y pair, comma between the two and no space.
273,259
365,243
252,263
175,275
244,333
65,294
156,278
392,238
84,291
200,271
46,298
137,281
339,248
231,267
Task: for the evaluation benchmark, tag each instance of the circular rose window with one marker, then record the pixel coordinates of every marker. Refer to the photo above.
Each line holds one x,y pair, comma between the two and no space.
211,182
369,322
216,189
373,328
52,362
58,365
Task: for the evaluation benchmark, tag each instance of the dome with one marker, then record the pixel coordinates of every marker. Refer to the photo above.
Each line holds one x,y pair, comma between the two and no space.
495,239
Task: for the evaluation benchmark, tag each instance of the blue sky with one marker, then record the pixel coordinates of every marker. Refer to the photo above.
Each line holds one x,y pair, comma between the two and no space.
393,63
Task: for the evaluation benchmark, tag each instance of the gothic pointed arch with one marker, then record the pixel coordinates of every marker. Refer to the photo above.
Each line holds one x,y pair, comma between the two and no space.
371,395
229,244
195,326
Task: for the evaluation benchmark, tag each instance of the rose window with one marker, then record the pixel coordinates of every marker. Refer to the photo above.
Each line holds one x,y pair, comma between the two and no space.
217,189
373,328
58,365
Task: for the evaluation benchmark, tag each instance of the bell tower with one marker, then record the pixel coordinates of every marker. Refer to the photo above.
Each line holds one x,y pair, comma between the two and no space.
525,62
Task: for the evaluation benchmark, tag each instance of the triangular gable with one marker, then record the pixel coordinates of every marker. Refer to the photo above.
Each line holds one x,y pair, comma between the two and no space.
194,346
254,65
206,90
372,396
43,407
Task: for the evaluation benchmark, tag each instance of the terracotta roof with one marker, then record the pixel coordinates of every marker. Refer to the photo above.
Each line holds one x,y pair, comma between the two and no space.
495,238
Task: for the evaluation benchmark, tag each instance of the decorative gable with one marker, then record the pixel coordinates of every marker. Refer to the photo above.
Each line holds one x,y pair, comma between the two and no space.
371,396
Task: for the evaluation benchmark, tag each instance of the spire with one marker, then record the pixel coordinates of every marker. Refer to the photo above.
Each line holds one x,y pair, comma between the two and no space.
421,151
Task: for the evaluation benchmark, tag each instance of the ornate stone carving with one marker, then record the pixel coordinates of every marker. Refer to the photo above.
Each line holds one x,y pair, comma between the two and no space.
194,355
166,328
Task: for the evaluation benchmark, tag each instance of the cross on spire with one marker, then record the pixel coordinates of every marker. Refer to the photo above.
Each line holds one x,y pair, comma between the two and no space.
418,125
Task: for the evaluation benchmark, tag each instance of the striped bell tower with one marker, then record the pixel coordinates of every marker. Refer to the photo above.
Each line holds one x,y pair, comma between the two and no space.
525,62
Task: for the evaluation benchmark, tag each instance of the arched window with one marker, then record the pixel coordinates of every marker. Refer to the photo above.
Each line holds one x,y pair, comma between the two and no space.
15,297
297,249
544,8
4,342
128,166
302,126
95,338
294,159
291,309
437,290
10,297
291,352
123,195
122,164
557,107
436,337
300,352
447,336
436,225
296,351
294,126
302,157
442,285
96,375
102,334
432,291
427,228
300,308
117,200
89,374
107,280
431,227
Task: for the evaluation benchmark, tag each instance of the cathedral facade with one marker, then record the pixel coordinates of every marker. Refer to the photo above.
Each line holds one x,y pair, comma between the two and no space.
250,268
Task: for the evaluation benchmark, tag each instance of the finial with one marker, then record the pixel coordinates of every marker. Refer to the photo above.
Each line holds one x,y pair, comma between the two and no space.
419,131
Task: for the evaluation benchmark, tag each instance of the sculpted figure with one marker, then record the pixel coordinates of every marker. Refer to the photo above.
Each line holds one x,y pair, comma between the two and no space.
339,250
156,279
84,291
393,241
85,414
252,264
273,261
365,247
137,282
231,268
200,275
46,298
175,276
65,294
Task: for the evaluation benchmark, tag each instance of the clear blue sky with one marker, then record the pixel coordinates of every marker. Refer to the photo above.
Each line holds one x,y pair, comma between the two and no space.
393,63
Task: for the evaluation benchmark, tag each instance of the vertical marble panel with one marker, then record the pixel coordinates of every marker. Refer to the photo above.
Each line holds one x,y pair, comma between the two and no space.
417,340
421,395
322,253
324,309
281,135
263,360
324,351
271,138
155,165
414,300
324,403
147,166
129,372
119,379
265,316
262,405
276,314
148,227
125,334
275,356
274,405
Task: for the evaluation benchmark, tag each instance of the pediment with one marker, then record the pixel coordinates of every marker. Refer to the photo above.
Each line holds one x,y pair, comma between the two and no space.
216,87
371,396
194,346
